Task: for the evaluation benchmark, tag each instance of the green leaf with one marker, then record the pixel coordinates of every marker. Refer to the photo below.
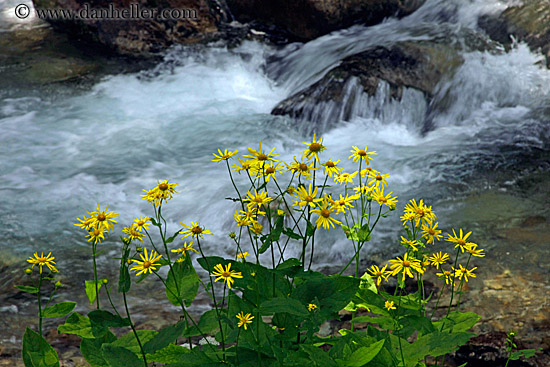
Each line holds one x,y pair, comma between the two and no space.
104,319
59,309
165,336
90,289
290,233
288,305
207,324
182,282
333,292
129,340
91,349
37,352
171,239
363,234
81,326
318,356
527,353
169,354
124,281
27,289
310,230
363,355
458,321
119,356
208,262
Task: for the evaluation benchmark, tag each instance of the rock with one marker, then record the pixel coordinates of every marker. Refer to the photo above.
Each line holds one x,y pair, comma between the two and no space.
418,66
309,19
527,22
198,21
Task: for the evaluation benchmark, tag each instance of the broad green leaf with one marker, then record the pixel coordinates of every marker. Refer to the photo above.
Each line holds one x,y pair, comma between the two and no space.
124,281
91,349
81,325
105,319
207,324
333,292
90,289
288,305
434,344
527,353
182,283
165,336
363,234
27,289
59,309
292,234
318,356
208,262
310,230
119,356
169,354
129,341
37,352
458,321
172,238
363,355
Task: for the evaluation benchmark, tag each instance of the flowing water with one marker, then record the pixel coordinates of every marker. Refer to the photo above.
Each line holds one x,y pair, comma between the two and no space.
66,147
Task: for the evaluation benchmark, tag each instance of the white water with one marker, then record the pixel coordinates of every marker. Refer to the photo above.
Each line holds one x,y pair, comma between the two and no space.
62,155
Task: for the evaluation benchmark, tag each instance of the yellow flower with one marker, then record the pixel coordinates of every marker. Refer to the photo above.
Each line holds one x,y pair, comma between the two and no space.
407,216
358,154
378,195
420,211
311,307
430,232
324,218
363,189
331,168
186,247
314,148
462,272
268,170
460,241
244,319
389,305
341,204
163,191
379,180
379,274
242,219
133,233
103,219
194,230
223,156
142,223
301,168
438,258
369,171
242,255
148,264
306,197
409,243
85,223
447,275
226,274
43,260
258,199
96,235
472,249
405,265
245,166
345,178
256,228
259,156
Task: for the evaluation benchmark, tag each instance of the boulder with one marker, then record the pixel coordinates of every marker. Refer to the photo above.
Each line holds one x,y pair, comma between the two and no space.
309,19
191,21
529,21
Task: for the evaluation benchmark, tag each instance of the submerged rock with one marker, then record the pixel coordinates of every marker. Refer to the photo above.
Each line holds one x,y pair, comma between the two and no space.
309,19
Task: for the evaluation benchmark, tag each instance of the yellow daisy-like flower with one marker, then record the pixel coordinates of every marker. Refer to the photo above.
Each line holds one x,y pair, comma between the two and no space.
340,205
331,168
242,220
410,243
438,258
462,272
163,191
314,148
102,218
142,223
379,180
194,230
407,217
256,228
430,232
245,166
358,154
420,211
447,275
268,170
186,247
388,305
459,241
85,223
259,156
378,195
363,189
311,307
301,168
223,156
405,266
306,197
226,274
242,255
258,198
472,249
369,171
96,235
325,218
43,260
244,319
345,178
148,264
133,233
379,274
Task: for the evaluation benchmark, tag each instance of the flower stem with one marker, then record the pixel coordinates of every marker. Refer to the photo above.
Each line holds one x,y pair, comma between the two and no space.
134,329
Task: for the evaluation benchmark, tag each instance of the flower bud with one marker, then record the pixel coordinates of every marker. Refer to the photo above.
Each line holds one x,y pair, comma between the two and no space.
139,249
105,281
232,235
28,271
58,284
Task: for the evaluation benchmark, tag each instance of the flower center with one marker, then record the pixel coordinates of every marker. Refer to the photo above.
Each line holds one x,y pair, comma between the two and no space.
361,153
325,213
431,231
447,273
140,223
378,178
342,202
269,170
101,217
330,164
97,232
163,187
406,263
196,230
303,167
309,199
461,242
315,147
262,157
258,199
226,274
420,211
146,264
383,199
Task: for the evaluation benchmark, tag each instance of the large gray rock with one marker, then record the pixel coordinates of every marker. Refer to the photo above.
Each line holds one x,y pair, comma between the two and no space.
139,36
309,19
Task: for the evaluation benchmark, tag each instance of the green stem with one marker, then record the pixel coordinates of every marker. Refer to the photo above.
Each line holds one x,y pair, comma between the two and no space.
94,246
40,304
134,329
